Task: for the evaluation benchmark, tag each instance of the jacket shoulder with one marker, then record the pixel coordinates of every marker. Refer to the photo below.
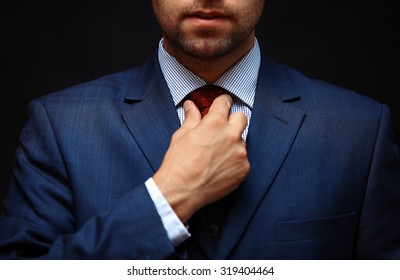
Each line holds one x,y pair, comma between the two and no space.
113,85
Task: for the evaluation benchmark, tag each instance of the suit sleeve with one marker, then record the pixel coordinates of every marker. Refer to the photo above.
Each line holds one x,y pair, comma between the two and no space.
379,231
38,218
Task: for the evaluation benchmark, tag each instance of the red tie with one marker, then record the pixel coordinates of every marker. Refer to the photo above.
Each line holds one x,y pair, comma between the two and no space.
204,96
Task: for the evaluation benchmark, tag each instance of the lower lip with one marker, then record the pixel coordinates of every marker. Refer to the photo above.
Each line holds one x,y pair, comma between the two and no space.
207,22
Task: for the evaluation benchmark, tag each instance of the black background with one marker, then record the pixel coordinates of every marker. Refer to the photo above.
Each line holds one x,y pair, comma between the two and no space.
50,45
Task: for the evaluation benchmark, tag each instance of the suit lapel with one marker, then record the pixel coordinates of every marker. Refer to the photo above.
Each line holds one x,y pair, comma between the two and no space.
151,118
273,128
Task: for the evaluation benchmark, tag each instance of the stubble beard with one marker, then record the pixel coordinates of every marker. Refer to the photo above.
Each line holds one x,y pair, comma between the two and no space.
205,46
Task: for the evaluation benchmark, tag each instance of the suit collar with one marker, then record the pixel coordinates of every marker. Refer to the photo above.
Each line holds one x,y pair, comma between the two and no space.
151,117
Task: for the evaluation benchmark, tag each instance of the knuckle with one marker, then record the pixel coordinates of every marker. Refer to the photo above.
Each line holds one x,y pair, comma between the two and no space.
217,120
233,136
245,169
241,153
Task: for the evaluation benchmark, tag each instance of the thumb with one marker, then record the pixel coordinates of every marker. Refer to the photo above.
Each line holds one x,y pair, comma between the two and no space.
192,115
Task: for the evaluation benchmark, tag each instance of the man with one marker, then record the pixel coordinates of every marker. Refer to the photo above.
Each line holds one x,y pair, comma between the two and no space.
282,167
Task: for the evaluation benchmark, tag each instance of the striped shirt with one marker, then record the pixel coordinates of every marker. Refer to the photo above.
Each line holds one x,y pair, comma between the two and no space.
240,81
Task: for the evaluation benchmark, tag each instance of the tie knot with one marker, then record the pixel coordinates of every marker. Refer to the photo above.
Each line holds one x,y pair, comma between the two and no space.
204,96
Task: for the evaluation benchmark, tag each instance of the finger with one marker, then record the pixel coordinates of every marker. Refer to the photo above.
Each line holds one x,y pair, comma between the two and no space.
238,121
221,106
192,115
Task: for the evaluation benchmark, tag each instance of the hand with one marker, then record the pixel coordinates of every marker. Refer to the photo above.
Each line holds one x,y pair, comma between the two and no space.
206,159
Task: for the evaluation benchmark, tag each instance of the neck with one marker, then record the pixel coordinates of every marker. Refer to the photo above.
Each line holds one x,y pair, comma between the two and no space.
210,69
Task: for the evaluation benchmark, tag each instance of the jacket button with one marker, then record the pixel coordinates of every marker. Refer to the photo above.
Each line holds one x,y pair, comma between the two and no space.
214,230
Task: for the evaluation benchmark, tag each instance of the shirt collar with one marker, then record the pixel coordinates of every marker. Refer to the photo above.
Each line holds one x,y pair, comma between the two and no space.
240,80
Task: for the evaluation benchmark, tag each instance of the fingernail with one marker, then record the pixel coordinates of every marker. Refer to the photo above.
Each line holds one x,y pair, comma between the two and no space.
186,105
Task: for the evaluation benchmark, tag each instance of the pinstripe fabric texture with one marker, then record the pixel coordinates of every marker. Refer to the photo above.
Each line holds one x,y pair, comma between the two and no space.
240,81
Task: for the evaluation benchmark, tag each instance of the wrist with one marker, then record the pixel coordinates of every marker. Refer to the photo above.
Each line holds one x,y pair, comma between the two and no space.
177,195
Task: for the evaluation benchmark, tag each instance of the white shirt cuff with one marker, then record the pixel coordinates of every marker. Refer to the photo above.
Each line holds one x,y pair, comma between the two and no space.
176,230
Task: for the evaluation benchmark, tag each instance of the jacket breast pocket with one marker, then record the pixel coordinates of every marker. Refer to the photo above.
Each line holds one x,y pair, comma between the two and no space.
315,229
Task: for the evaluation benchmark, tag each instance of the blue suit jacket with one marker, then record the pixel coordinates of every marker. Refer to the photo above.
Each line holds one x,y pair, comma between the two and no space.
324,180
